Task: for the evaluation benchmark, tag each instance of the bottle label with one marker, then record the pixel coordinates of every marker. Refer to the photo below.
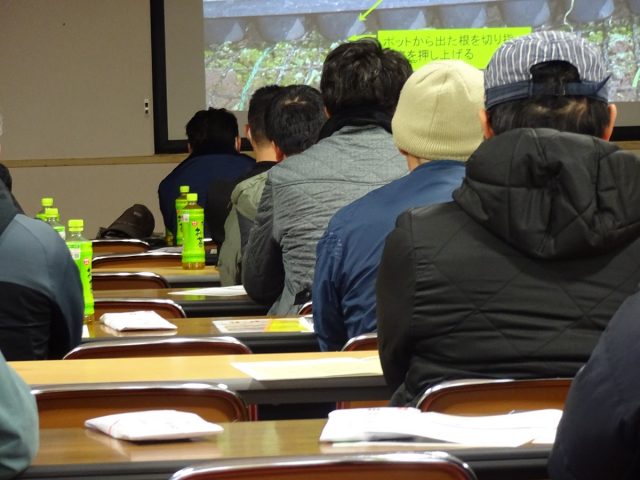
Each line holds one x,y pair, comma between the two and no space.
180,204
82,254
193,236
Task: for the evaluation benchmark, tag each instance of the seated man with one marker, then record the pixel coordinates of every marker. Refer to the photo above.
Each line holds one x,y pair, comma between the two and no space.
219,191
518,277
18,423
41,303
598,435
360,86
436,128
292,123
213,154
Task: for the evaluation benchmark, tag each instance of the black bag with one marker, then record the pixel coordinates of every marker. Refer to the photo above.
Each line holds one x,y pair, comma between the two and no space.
136,222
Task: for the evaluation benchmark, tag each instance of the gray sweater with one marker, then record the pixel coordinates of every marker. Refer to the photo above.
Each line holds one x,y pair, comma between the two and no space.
299,198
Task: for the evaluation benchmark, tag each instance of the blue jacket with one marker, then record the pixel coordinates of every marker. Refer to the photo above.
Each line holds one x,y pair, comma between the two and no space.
348,254
198,171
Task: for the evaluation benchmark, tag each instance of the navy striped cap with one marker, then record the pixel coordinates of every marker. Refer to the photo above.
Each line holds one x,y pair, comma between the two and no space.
508,75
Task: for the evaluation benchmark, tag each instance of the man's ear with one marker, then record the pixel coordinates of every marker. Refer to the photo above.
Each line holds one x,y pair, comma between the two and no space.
412,161
189,148
485,123
238,143
279,153
247,131
613,114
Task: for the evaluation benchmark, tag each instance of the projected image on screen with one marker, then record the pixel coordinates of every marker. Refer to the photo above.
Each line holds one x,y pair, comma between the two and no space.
251,43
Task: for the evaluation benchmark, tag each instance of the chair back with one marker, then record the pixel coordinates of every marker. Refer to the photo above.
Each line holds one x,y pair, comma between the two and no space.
158,347
366,341
127,280
166,308
106,246
70,406
375,466
145,260
492,397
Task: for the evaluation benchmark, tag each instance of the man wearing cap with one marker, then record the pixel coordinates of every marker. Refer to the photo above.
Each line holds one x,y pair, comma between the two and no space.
435,126
519,275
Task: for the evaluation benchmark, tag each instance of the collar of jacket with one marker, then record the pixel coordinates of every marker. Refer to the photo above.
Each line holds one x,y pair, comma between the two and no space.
356,117
553,195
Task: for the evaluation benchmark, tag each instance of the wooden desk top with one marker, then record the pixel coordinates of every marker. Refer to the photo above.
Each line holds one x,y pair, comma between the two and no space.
258,342
213,369
175,275
81,453
193,305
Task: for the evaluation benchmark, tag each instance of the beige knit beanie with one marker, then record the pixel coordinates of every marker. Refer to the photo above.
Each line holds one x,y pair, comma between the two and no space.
437,114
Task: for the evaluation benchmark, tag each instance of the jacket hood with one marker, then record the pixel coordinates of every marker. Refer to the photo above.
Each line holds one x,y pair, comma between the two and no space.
553,195
8,208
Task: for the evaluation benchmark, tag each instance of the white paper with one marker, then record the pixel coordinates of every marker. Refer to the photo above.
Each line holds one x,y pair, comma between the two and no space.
253,325
140,320
231,291
511,430
314,368
153,425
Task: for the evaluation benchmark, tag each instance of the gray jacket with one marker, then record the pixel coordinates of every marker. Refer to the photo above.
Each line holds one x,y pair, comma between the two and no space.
299,198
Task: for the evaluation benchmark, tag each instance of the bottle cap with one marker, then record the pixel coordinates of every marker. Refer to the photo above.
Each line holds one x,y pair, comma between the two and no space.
76,223
51,211
47,201
192,197
184,188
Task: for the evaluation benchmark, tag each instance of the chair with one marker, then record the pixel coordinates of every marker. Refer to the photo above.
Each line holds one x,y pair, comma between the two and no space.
366,341
105,246
146,259
306,309
164,307
70,406
127,280
489,397
373,466
158,347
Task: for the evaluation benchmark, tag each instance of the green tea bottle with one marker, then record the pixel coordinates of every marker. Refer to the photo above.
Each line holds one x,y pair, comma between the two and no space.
46,202
192,225
82,253
181,202
52,217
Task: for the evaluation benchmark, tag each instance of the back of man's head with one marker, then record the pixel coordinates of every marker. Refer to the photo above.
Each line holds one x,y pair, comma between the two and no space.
212,131
437,114
294,118
547,80
256,116
362,74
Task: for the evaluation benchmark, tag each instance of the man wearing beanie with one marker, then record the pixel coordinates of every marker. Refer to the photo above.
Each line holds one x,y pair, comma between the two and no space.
519,275
435,126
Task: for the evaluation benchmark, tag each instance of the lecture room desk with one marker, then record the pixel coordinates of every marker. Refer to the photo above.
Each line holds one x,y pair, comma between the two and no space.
193,305
258,342
215,369
76,453
176,276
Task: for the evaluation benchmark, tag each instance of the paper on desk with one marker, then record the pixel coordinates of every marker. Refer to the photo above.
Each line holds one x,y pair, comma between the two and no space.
313,368
140,320
511,430
248,325
153,425
230,291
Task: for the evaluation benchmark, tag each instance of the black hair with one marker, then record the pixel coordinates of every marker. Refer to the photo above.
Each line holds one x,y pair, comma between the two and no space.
294,118
5,176
258,106
363,74
546,110
212,131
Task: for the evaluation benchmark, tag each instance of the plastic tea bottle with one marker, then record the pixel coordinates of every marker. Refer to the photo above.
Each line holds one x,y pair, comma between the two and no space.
52,217
45,202
181,202
82,252
192,224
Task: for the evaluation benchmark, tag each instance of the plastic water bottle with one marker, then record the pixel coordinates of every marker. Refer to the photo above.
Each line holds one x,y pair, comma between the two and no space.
82,253
46,202
181,202
192,225
52,217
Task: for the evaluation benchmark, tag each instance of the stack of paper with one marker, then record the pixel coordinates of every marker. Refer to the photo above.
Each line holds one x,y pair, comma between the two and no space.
511,430
140,320
231,291
153,425
248,325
